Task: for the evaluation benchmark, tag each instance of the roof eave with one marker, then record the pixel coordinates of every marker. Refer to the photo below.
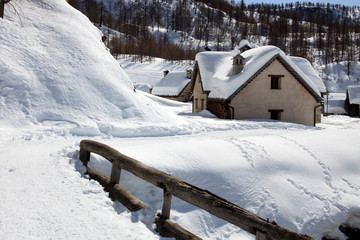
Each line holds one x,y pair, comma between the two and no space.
317,97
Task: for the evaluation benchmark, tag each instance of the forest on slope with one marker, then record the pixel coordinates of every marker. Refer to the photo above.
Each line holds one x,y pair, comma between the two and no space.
177,30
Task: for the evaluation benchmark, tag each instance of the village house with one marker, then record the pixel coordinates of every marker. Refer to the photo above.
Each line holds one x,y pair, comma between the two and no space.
259,83
174,86
352,101
243,46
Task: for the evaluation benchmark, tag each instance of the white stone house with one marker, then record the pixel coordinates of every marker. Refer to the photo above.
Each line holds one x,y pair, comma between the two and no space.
260,83
174,86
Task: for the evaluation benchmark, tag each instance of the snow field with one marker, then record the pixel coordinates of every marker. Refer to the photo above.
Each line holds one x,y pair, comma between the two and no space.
59,85
278,174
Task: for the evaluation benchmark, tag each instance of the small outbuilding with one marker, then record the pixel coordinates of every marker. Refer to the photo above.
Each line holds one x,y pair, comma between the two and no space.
352,101
174,86
259,83
244,45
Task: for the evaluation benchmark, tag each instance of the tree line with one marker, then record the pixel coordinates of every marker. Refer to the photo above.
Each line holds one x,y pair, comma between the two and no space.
327,32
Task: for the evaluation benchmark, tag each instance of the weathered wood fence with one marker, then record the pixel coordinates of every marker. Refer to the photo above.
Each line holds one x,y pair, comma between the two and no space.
172,186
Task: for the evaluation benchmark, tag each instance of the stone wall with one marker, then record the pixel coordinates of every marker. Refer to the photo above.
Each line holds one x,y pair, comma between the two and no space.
220,109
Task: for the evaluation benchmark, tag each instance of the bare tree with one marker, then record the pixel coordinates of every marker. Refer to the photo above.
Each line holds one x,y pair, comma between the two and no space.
2,7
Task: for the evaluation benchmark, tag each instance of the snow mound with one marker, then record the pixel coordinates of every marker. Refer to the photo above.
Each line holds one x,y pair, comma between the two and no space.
54,67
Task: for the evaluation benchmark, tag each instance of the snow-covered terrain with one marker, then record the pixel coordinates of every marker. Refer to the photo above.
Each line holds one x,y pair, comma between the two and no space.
59,85
152,69
336,77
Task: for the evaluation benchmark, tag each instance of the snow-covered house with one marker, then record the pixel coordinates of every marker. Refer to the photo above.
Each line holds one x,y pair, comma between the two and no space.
174,86
260,83
353,100
243,46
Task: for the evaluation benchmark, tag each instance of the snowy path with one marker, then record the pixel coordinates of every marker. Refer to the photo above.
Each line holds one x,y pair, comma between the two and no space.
44,195
289,175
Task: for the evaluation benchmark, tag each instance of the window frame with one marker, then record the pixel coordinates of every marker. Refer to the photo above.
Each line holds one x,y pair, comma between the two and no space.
277,112
275,81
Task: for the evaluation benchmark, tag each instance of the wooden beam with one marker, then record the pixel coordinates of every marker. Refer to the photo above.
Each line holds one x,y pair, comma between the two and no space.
167,228
117,192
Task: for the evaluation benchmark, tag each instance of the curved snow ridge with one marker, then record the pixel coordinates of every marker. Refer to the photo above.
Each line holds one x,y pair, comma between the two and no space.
55,66
187,124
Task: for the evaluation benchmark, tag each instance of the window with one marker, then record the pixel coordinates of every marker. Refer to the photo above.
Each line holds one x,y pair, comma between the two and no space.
202,104
275,81
275,114
196,104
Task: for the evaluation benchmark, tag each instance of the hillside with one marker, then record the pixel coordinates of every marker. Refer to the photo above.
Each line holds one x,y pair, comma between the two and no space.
59,84
177,30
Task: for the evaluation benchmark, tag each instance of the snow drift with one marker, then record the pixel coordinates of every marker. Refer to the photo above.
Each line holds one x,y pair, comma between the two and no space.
54,67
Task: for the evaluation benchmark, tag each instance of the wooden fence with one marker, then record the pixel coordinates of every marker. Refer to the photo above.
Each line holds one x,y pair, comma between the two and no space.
172,186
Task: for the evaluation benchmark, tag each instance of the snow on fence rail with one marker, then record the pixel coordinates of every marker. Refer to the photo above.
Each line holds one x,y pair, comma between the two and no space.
172,186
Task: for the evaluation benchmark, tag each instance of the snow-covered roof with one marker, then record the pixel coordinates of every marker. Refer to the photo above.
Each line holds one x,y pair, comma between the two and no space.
308,69
354,94
171,85
243,43
216,71
238,49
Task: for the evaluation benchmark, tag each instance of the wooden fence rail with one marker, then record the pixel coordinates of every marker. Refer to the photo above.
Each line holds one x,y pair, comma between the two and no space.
172,186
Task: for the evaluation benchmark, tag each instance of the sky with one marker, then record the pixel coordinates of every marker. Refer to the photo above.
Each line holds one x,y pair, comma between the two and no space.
347,2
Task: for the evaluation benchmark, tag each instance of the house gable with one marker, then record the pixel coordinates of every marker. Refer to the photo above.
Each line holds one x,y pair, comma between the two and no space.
290,68
200,97
225,91
216,71
257,100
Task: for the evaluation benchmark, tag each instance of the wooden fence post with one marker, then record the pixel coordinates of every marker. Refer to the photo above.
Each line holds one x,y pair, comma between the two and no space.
84,156
115,174
166,204
114,179
261,235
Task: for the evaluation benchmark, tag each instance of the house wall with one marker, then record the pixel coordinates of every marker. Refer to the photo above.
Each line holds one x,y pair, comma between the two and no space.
184,95
199,97
257,98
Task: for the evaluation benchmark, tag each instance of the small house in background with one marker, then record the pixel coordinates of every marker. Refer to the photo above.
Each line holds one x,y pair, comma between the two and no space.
174,86
259,83
243,46
353,100
145,87
334,104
